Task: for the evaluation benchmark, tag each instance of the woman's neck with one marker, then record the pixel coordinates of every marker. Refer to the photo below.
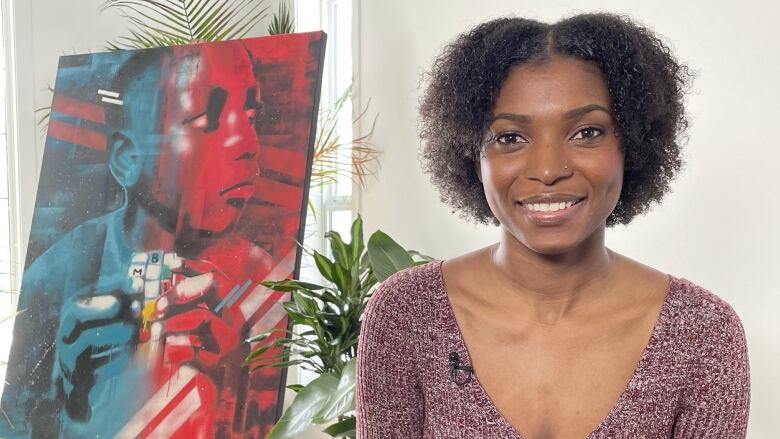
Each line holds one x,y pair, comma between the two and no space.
554,287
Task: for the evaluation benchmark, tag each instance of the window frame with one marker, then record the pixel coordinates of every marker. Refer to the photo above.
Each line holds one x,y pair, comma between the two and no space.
324,198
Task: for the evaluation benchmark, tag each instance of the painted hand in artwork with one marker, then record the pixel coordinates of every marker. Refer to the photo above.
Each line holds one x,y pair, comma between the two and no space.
195,322
95,340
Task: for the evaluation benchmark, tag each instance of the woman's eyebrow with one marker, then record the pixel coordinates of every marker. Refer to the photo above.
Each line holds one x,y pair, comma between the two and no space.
571,114
586,109
511,116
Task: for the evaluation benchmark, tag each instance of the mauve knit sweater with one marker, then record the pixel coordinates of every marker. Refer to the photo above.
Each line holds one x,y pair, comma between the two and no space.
692,380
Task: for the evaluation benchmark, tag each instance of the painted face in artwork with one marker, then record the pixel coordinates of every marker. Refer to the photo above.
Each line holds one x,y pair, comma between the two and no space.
207,158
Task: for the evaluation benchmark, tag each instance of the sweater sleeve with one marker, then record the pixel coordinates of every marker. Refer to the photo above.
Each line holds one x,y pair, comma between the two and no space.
718,400
389,399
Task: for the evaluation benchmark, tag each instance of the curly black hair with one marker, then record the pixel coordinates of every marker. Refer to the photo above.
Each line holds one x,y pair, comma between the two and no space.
645,82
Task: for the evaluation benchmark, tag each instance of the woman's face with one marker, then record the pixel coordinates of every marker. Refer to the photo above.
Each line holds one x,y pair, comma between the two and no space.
552,165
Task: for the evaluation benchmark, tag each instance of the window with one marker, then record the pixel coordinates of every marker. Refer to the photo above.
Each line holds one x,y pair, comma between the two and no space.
332,202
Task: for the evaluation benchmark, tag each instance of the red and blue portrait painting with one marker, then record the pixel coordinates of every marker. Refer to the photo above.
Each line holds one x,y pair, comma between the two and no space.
174,181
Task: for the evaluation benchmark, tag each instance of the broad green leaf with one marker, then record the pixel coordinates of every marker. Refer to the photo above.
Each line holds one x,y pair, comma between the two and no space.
335,299
386,256
259,337
254,355
356,234
308,293
340,250
343,399
265,336
324,265
345,428
365,262
295,316
295,387
290,285
297,418
308,307
342,279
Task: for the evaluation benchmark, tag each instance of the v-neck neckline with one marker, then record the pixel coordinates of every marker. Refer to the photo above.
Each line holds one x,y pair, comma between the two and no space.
484,399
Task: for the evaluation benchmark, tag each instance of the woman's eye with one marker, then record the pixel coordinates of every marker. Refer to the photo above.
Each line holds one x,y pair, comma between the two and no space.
587,133
509,138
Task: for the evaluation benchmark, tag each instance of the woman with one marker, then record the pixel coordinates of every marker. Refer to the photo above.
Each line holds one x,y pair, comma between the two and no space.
552,132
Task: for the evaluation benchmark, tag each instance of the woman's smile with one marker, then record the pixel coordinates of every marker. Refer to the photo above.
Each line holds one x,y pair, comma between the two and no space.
552,213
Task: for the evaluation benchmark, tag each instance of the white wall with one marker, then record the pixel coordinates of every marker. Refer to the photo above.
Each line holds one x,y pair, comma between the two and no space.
720,226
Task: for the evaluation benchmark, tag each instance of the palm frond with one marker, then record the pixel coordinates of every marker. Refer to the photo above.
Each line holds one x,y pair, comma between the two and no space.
355,159
43,119
282,21
156,23
240,28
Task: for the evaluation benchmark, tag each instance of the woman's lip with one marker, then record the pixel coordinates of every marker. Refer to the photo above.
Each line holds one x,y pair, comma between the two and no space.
552,218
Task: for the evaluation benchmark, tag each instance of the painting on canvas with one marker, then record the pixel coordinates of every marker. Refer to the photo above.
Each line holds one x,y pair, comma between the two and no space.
174,181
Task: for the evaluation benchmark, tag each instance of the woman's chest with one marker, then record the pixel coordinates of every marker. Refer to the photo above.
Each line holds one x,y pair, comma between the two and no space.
554,387
530,386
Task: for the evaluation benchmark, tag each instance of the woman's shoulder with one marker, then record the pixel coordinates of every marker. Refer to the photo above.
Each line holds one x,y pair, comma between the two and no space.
697,301
408,294
702,317
705,342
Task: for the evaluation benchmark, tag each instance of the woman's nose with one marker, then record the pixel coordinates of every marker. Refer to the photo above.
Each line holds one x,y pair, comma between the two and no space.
548,163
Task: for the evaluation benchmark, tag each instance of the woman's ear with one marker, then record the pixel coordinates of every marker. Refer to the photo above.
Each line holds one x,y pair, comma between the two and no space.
124,160
478,169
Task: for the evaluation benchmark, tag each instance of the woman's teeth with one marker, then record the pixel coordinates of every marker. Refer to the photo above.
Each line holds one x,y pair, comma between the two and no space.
549,207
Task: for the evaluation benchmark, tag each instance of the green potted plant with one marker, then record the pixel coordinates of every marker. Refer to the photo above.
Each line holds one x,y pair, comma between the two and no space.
329,317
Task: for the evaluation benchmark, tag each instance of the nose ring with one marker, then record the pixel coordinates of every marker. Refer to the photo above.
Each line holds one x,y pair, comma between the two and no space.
565,166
